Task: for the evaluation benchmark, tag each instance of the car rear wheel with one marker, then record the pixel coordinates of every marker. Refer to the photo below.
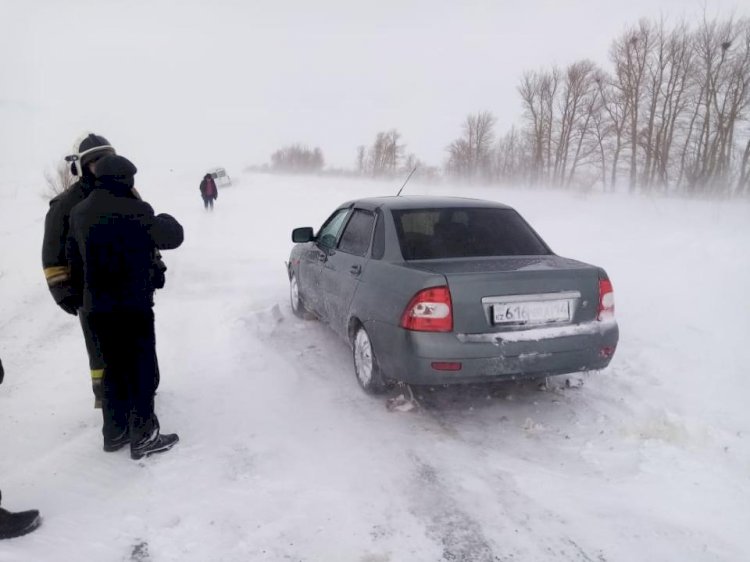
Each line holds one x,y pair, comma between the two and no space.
294,297
366,366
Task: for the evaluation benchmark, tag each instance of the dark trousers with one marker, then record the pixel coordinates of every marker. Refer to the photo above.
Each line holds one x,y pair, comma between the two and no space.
127,342
92,345
208,201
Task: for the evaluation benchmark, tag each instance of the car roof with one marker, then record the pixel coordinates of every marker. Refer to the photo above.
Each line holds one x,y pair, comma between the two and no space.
422,202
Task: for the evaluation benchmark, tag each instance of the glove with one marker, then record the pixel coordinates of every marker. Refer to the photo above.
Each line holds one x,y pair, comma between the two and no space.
158,271
96,385
69,305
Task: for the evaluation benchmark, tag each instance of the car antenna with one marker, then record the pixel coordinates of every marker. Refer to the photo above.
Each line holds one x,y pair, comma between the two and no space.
407,180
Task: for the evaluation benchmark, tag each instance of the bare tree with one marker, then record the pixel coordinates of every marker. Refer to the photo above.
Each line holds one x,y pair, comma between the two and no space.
459,156
616,111
629,54
60,179
469,156
530,91
548,92
512,158
297,158
385,154
722,52
674,89
538,91
410,162
743,181
601,128
394,151
479,129
580,99
361,159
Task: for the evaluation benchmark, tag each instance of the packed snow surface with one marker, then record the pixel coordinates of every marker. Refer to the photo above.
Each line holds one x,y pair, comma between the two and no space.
283,457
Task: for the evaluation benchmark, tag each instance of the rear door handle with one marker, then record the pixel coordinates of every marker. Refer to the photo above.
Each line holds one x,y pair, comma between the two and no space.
355,269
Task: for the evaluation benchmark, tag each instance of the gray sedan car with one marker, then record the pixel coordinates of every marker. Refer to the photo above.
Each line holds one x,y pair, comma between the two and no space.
447,290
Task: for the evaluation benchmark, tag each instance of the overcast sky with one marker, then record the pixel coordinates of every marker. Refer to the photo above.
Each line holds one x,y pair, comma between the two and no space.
189,84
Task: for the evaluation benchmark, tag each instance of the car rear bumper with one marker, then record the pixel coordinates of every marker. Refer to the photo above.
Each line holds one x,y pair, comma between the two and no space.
410,356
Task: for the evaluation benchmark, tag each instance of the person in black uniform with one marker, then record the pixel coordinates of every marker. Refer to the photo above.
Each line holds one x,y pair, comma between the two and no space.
16,524
110,246
87,150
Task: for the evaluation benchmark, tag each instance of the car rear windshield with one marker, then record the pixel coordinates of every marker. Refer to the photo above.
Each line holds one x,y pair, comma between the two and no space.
463,232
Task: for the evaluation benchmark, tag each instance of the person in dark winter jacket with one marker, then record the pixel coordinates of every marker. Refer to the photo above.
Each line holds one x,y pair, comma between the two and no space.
110,255
87,150
16,524
208,191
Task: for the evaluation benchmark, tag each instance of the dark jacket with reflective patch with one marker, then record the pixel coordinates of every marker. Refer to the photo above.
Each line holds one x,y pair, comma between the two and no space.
54,260
110,249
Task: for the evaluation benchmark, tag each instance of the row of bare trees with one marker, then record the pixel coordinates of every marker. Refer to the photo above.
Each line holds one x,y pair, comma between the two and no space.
384,157
297,158
470,155
671,115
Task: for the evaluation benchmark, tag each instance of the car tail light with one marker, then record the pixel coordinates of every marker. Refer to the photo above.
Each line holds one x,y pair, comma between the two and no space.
430,310
606,308
446,365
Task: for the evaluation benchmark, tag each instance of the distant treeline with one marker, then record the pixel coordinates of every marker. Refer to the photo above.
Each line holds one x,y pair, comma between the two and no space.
671,114
297,158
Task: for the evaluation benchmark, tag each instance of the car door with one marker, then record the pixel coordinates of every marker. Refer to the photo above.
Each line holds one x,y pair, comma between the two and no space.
342,270
313,259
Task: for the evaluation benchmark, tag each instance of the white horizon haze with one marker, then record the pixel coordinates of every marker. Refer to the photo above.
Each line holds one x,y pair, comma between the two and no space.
189,85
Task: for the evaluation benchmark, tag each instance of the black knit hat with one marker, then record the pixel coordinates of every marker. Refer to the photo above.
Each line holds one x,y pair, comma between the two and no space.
114,166
87,148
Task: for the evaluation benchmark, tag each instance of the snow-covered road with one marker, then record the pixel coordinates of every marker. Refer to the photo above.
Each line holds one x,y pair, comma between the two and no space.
283,457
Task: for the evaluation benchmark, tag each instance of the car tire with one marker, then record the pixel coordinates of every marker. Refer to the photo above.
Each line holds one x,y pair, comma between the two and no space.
366,366
295,299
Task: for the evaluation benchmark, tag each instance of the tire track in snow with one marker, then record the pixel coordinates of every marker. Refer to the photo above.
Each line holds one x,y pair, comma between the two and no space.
526,529
459,534
453,498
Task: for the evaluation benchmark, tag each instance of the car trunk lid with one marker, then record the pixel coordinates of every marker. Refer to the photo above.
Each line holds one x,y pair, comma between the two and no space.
497,294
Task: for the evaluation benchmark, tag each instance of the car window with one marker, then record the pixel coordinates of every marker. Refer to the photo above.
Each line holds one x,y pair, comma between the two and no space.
465,232
356,237
329,232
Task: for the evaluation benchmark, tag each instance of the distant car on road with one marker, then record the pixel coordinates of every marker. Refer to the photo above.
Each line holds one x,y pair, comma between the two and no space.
220,177
449,290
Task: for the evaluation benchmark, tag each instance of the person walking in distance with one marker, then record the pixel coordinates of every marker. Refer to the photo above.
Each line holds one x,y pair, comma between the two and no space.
16,524
110,247
209,192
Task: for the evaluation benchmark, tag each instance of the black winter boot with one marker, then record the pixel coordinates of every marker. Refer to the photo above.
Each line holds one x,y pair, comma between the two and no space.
116,443
158,444
17,524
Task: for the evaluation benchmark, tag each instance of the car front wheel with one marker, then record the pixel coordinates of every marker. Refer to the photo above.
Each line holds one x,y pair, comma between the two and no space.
294,297
366,365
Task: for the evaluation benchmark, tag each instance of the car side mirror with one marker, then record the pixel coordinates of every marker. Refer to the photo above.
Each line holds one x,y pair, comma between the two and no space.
303,234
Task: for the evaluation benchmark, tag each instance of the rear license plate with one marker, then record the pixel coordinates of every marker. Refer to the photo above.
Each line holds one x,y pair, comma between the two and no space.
541,312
